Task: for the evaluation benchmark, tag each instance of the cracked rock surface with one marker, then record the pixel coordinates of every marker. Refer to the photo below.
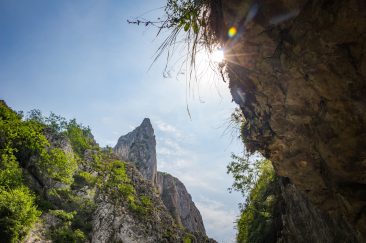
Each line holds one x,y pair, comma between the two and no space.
297,69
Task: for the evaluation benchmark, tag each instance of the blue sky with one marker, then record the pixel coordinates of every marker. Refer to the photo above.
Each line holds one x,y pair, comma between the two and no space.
81,59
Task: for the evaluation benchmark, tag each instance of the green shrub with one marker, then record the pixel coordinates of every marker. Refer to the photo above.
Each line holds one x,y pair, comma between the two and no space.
64,231
17,213
119,184
61,214
255,223
80,137
84,178
188,238
58,165
25,139
66,199
10,172
146,201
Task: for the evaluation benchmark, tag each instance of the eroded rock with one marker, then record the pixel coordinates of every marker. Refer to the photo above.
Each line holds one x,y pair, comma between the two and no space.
138,146
179,203
297,69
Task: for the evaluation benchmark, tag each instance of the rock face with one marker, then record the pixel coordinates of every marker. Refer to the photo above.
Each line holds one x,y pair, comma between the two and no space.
179,203
138,146
297,69
113,222
299,218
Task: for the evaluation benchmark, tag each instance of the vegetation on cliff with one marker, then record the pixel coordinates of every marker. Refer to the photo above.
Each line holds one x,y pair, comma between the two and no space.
256,221
55,180
40,174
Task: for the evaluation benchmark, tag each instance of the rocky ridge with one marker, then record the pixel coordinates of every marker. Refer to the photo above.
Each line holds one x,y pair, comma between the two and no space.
139,147
179,202
68,189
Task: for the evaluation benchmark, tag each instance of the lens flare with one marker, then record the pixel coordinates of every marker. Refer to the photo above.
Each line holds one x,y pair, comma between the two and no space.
217,55
232,32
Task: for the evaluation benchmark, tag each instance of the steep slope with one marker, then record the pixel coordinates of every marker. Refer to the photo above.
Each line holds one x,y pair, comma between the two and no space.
179,203
297,69
277,211
139,147
58,185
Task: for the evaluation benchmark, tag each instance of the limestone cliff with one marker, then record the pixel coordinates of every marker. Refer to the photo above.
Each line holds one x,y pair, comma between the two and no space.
139,147
58,185
179,203
297,69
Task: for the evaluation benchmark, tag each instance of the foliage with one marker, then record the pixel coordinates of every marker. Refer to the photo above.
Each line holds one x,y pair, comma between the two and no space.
80,137
190,27
10,172
256,221
25,140
23,143
245,171
61,214
59,165
119,184
83,178
188,238
17,213
63,232
18,140
66,200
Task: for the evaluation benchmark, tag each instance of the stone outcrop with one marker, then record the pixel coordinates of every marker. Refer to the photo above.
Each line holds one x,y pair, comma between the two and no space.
302,222
138,146
179,203
113,222
297,69
96,199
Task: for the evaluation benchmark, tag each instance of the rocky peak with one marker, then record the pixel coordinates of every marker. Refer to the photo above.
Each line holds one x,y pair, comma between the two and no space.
139,147
179,202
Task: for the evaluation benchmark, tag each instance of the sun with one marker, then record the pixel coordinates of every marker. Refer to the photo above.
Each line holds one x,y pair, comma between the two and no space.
217,56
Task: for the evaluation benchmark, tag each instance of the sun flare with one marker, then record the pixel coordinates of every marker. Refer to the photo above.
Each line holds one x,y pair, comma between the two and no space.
217,56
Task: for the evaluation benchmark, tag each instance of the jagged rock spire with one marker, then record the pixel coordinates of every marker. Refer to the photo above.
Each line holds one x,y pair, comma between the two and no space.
139,147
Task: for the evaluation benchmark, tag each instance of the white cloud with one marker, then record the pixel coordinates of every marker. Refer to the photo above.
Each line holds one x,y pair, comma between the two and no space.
177,164
218,220
167,128
167,146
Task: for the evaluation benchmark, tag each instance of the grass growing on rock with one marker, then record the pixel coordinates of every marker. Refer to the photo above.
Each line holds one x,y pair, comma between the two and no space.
120,187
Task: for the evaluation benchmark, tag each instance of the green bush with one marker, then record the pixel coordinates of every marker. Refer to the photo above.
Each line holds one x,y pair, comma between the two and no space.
119,184
64,232
188,238
25,139
58,165
10,172
255,223
84,178
67,200
17,213
23,144
80,137
61,214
